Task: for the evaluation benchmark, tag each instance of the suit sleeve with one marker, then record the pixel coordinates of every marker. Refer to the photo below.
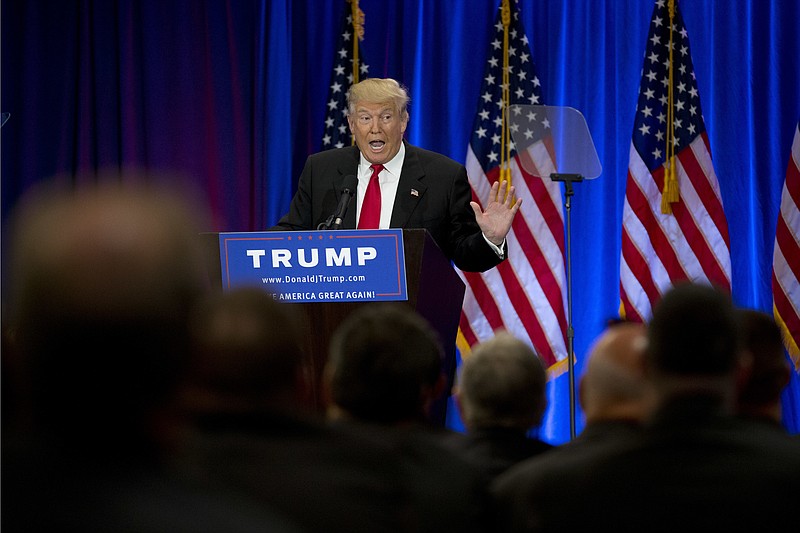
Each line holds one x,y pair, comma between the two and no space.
468,249
300,212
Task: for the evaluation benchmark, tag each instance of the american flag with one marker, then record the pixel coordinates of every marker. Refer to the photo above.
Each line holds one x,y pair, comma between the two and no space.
348,68
524,294
683,237
786,256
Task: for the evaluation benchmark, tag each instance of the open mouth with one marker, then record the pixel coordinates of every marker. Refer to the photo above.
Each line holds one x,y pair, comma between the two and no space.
377,145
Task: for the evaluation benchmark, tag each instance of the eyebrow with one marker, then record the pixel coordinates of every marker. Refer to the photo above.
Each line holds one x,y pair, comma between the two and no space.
386,109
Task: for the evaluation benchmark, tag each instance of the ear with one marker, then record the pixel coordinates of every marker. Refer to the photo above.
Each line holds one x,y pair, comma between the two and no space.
329,407
786,376
430,394
457,400
743,369
439,387
541,409
304,386
582,393
461,406
325,387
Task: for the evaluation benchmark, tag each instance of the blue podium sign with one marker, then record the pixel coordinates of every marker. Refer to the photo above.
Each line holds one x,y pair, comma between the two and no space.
314,266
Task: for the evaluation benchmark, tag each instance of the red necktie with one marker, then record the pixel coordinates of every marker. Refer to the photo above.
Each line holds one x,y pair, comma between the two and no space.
370,217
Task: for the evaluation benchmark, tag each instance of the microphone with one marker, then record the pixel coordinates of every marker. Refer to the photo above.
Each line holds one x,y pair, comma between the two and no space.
348,190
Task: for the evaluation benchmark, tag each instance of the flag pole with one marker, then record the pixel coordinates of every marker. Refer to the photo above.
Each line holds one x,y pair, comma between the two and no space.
505,134
358,35
670,193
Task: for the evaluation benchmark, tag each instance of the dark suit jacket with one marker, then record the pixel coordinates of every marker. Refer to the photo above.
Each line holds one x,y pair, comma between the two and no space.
517,492
433,193
494,450
326,479
56,488
447,492
694,468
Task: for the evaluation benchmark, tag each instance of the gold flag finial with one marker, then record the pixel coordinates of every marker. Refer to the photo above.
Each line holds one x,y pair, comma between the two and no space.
358,19
670,193
358,30
505,134
506,13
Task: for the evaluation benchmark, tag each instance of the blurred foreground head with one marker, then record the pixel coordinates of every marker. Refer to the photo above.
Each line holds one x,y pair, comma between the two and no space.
104,277
247,354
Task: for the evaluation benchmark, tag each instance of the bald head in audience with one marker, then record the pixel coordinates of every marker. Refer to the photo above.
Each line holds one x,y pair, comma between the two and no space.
614,385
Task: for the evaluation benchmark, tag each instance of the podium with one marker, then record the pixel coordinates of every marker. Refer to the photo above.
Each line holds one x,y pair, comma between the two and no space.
434,289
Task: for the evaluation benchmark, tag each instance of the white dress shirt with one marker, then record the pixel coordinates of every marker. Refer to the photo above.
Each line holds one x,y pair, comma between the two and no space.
389,178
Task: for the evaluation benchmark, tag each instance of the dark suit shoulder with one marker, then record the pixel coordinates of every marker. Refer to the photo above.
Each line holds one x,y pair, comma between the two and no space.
339,160
346,152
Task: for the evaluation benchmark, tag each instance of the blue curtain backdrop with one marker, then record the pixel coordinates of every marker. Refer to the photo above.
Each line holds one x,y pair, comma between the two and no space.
232,94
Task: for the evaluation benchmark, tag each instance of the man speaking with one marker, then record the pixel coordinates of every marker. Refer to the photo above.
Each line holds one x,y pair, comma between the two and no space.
400,185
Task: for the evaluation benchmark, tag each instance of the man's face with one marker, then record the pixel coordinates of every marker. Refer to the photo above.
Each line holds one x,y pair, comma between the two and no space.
378,130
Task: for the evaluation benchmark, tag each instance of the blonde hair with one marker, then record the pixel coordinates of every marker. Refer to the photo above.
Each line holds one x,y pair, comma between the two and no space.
378,91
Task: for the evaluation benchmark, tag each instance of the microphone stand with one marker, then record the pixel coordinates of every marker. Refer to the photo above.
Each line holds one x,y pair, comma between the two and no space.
348,191
568,179
325,225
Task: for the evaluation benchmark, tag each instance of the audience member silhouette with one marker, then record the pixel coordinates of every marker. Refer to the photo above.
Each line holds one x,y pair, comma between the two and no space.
104,278
384,366
257,432
501,396
385,370
614,392
695,465
246,357
759,398
614,396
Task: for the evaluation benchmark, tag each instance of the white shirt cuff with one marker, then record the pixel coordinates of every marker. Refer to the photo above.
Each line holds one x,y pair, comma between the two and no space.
497,249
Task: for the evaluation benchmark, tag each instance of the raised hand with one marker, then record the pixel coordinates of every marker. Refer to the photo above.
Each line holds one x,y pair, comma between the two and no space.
495,220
